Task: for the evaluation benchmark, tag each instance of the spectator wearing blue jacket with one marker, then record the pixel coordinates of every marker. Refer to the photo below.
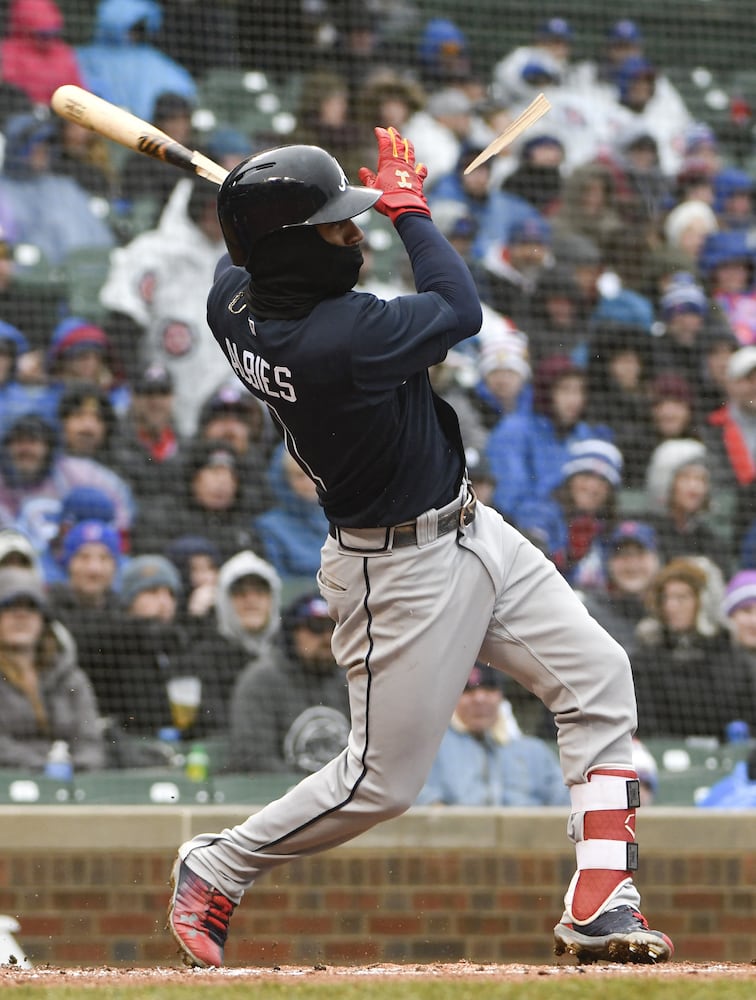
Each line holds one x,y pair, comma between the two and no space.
292,532
574,524
494,211
735,791
484,759
16,399
526,451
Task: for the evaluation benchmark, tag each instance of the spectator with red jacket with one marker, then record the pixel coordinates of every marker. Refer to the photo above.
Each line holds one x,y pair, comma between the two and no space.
33,55
730,436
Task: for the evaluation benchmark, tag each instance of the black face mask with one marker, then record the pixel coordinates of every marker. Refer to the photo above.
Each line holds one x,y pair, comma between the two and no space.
295,269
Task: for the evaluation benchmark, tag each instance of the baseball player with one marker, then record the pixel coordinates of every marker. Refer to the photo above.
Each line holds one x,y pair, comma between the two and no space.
420,578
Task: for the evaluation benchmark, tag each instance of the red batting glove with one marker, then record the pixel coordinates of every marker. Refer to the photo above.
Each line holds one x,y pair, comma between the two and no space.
398,176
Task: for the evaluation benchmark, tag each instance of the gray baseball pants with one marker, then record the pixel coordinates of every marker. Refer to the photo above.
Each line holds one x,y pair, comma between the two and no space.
410,624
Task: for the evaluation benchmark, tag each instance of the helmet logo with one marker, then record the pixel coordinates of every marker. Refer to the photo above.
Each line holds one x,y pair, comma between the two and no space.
343,183
403,179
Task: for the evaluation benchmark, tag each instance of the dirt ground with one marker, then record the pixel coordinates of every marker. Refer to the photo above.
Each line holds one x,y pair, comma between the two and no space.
48,976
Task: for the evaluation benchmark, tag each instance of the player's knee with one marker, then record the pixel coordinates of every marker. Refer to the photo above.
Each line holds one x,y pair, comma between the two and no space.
392,800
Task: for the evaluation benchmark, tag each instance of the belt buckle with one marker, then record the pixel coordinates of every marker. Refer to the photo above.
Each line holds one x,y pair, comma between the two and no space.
467,510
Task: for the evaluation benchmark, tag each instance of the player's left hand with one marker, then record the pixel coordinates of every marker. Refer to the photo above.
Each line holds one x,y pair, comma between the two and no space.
398,176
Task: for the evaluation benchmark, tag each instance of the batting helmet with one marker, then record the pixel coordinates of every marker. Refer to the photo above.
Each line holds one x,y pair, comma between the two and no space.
281,188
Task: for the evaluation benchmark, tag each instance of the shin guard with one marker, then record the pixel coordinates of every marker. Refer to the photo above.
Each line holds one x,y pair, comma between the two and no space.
602,825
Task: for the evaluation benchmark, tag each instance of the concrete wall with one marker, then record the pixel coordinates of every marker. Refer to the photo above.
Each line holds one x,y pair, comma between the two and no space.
89,886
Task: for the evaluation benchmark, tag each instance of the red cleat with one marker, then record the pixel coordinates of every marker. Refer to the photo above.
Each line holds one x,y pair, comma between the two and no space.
198,917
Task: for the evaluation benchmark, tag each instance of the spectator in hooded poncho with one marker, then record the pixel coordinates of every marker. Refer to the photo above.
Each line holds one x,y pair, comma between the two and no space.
156,292
122,63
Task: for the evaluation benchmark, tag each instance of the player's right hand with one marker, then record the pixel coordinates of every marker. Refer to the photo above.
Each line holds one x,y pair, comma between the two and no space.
398,176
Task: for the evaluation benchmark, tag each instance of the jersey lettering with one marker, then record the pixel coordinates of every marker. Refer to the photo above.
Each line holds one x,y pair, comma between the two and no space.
256,372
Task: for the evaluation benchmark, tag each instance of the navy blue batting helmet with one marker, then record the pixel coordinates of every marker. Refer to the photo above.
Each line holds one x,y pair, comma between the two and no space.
281,188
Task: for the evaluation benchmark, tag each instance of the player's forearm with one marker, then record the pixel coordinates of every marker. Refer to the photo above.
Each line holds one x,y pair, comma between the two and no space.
437,267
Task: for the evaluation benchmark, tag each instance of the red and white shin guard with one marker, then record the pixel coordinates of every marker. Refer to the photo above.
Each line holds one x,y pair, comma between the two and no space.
602,825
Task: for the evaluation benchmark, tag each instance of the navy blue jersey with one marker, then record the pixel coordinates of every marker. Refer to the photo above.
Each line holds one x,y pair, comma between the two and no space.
348,383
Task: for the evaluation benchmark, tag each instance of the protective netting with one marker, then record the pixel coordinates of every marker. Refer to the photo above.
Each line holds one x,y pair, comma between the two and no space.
608,405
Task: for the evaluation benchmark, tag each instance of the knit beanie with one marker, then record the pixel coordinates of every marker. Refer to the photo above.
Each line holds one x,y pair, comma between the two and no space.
741,590
91,532
148,573
602,458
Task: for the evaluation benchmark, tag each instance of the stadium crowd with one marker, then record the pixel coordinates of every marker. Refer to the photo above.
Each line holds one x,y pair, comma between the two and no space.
153,528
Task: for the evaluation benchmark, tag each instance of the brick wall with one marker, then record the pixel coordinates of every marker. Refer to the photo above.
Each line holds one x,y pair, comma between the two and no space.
89,886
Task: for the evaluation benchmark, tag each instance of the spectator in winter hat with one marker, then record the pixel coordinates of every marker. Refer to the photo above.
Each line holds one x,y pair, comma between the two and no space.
443,53
727,262
504,368
150,588
733,198
81,503
683,311
739,615
631,556
687,226
91,559
16,549
207,501
81,351
701,144
135,650
572,525
673,408
678,495
16,397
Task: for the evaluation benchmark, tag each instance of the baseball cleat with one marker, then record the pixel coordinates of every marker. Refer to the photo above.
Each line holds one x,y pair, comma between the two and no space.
198,917
620,935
